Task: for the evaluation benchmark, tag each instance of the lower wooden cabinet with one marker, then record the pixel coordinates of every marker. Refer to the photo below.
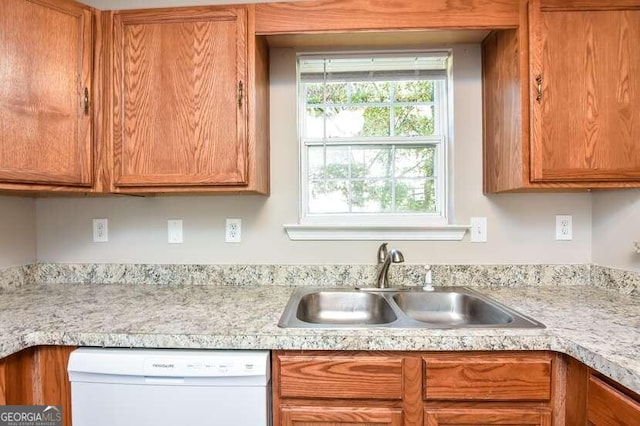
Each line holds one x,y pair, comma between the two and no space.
340,416
377,388
607,405
37,376
314,388
487,416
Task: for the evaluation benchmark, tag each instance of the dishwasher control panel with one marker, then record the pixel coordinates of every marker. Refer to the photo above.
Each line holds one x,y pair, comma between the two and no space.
171,363
202,366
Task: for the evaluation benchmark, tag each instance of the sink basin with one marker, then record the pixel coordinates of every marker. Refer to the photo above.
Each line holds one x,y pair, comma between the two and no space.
332,307
451,308
446,307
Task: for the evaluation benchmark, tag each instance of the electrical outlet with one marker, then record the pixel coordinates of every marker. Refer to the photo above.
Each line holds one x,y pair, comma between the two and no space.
174,231
564,227
100,230
478,230
233,233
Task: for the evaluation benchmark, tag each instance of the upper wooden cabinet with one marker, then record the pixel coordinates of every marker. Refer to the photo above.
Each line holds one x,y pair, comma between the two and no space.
561,97
45,95
586,118
189,91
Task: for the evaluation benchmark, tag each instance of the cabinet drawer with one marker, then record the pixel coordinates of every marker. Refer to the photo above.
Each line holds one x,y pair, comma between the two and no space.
486,377
608,406
341,416
341,377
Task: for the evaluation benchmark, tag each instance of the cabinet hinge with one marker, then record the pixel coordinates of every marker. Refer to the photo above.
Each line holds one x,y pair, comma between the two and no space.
240,93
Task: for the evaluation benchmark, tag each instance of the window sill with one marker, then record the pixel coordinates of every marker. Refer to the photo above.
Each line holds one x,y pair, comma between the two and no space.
375,232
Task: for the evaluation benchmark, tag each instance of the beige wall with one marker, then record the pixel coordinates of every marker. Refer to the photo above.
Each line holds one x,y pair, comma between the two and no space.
616,225
17,231
521,227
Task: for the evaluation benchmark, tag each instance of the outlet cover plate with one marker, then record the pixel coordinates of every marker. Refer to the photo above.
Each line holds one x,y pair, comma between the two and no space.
564,227
100,230
233,230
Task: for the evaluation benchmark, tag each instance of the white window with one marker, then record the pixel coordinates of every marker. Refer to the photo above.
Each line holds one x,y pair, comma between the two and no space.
373,138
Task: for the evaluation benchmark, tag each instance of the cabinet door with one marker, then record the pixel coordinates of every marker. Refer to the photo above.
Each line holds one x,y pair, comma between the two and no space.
37,376
586,101
340,416
179,97
45,65
607,406
487,416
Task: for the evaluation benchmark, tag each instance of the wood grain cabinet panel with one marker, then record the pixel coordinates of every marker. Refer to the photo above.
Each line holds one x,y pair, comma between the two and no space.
490,378
45,67
341,416
607,406
485,417
347,377
561,100
587,122
37,376
180,100
189,110
413,389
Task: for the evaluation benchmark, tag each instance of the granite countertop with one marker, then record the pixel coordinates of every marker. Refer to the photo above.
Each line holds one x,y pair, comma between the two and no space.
599,327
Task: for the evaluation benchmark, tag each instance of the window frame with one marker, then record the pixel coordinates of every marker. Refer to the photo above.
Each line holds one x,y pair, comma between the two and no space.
440,218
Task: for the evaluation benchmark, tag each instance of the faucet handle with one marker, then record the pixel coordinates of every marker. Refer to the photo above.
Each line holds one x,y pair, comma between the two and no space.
382,253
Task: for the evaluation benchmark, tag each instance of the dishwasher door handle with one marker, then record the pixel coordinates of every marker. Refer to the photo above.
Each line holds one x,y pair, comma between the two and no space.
164,380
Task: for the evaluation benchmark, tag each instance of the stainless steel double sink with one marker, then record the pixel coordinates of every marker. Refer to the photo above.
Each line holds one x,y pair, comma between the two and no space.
444,307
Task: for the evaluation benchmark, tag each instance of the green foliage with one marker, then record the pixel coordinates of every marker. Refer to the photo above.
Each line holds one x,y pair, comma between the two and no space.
412,188
368,181
376,121
414,91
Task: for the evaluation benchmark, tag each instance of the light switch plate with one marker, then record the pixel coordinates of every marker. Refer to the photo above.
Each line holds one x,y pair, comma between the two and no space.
174,231
478,230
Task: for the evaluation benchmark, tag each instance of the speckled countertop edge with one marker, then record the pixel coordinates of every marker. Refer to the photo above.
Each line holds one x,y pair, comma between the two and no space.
596,326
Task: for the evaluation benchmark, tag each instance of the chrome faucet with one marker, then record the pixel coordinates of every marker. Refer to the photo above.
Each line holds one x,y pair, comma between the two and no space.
385,258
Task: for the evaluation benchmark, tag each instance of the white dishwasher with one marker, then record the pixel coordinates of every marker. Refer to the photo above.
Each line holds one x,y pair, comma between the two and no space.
144,387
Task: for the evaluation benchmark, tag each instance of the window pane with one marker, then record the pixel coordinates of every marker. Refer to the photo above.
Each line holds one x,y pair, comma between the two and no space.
370,92
329,197
371,196
376,121
338,162
415,162
415,196
314,93
414,91
365,123
371,162
372,179
357,121
336,93
316,162
344,122
314,123
417,120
